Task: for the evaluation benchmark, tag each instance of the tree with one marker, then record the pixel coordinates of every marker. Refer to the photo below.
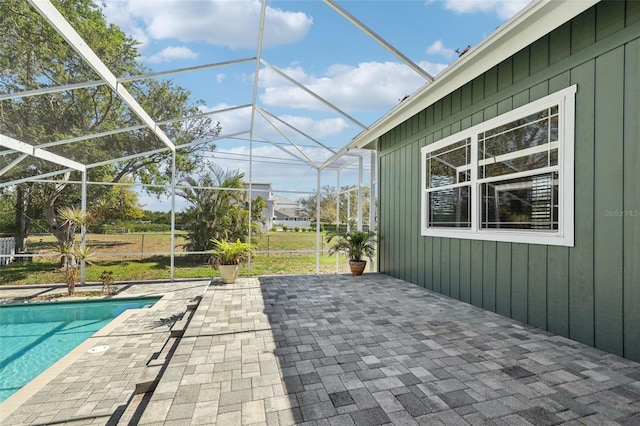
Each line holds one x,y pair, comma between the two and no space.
218,208
34,56
7,209
119,202
328,205
163,218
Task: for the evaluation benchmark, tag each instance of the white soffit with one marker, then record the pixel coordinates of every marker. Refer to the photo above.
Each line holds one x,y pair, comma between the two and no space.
532,23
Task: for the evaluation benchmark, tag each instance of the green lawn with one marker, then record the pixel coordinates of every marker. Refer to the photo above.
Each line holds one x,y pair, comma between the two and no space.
123,255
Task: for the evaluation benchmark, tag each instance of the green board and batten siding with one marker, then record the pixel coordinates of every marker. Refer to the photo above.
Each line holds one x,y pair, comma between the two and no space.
589,292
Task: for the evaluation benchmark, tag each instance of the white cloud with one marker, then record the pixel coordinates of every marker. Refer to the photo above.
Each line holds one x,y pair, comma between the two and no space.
432,68
170,53
505,9
226,23
438,48
220,77
274,166
231,121
117,12
238,121
316,128
268,152
367,87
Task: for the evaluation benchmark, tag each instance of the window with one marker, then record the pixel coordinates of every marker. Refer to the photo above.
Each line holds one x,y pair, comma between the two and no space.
448,184
507,179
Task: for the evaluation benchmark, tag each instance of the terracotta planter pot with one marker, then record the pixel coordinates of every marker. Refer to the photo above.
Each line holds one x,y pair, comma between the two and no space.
228,273
357,267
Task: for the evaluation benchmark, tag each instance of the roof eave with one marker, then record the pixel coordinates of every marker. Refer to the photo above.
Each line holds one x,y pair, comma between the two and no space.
533,22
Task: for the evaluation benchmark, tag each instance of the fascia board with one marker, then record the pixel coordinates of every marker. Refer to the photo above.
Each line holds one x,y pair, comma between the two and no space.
532,23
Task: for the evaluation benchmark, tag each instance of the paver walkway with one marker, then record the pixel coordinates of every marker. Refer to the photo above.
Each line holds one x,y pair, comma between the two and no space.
370,350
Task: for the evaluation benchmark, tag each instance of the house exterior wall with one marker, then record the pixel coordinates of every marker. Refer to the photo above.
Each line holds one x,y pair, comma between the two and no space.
589,292
264,190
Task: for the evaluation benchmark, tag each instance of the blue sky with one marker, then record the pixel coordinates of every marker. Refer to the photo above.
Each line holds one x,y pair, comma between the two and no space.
314,45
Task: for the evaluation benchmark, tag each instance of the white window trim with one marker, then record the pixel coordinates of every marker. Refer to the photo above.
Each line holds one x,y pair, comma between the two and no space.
564,236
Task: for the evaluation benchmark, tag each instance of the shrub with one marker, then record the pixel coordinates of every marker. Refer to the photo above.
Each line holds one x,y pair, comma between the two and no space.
229,252
108,286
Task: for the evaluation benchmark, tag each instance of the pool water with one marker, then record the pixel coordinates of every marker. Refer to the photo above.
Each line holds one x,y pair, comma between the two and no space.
34,336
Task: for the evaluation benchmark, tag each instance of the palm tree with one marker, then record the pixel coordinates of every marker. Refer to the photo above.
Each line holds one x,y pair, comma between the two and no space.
216,205
71,253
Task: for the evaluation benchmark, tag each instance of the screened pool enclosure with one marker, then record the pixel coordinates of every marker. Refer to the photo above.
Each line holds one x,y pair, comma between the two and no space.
137,145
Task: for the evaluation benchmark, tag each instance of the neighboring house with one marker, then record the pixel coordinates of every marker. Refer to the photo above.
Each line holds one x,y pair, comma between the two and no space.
264,190
287,212
279,210
512,181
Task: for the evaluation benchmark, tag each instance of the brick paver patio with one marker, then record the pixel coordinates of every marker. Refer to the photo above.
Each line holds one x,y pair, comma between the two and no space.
342,350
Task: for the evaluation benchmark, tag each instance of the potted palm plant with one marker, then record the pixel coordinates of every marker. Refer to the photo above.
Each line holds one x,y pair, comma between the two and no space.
227,255
355,245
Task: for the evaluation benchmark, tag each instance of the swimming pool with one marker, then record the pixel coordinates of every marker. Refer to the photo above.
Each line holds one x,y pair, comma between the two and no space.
34,336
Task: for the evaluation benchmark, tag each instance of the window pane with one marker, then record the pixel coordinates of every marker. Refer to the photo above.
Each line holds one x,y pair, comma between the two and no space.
525,203
449,165
533,161
553,129
553,157
450,208
533,118
518,146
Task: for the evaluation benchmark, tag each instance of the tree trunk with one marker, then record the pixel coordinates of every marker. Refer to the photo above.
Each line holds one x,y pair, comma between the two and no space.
60,232
21,220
